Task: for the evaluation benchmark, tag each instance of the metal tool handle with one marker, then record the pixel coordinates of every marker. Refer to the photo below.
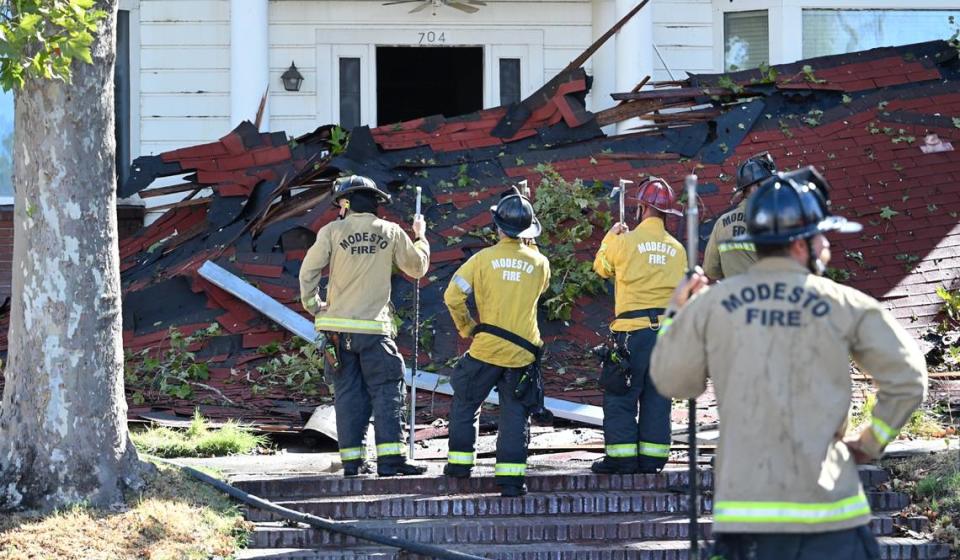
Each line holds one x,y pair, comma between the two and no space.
693,247
623,196
693,222
416,347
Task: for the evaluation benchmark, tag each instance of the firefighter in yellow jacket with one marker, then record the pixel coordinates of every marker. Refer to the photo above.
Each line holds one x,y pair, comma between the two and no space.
776,341
647,265
724,257
506,281
363,361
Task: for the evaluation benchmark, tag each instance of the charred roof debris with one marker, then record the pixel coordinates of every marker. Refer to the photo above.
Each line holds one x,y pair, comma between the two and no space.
255,200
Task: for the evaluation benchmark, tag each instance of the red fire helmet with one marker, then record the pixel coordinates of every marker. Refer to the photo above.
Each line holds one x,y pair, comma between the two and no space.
656,192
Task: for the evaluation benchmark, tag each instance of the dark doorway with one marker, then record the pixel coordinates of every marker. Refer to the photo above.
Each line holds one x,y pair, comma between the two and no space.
415,82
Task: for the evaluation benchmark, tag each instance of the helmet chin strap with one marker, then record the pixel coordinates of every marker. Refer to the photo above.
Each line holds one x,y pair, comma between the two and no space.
814,263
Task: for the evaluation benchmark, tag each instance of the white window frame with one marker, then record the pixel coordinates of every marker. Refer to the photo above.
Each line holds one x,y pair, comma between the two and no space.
362,42
133,6
785,20
492,56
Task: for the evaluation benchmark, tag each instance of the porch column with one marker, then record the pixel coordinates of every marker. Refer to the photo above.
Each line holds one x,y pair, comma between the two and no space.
634,51
603,63
249,62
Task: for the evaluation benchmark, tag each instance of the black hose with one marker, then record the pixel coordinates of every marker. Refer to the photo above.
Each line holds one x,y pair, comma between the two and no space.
327,524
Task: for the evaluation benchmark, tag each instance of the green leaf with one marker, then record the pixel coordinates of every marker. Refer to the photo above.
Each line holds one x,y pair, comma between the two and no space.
29,21
888,213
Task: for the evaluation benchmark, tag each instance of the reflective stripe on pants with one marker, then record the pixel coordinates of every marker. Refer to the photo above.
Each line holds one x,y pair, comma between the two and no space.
510,469
460,458
619,450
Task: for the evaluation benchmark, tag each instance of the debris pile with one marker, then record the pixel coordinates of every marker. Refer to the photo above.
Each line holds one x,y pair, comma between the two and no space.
256,200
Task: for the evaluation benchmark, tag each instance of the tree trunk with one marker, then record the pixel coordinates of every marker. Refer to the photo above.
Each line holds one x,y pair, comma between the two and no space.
63,434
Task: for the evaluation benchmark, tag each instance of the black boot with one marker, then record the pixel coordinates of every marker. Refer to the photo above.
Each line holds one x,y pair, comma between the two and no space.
355,468
513,490
401,468
609,465
456,471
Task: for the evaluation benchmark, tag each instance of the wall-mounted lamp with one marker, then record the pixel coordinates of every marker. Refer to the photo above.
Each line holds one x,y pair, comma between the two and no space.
292,78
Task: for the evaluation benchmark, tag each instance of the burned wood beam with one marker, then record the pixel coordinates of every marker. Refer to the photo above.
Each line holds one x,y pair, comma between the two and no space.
291,210
642,107
172,189
683,92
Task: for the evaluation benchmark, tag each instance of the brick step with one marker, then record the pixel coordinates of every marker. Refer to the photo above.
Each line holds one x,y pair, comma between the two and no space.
526,529
484,505
483,482
493,505
916,523
891,548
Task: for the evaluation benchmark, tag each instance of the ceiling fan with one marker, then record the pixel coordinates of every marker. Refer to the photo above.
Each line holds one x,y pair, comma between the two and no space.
468,6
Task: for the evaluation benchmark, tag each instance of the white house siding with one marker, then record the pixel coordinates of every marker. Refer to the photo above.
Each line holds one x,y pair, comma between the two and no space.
184,58
683,32
184,73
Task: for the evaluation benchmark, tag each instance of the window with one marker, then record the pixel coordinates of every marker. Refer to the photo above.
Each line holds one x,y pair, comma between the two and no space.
6,144
509,81
121,84
121,91
746,39
827,32
349,93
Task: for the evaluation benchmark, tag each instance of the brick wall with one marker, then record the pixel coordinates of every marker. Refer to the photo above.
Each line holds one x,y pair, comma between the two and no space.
130,219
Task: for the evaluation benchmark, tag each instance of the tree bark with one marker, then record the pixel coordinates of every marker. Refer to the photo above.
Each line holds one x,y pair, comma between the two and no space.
63,434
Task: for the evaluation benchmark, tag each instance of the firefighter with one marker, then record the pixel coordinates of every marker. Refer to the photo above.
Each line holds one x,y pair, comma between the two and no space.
647,265
361,356
724,257
776,341
506,281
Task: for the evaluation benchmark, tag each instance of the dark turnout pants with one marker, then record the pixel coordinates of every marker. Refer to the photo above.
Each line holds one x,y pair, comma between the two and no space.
370,380
849,544
472,381
637,438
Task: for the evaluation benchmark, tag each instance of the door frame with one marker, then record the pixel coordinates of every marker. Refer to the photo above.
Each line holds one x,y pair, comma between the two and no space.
362,43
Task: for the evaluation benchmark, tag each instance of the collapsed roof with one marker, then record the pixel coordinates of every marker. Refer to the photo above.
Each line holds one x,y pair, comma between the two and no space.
257,199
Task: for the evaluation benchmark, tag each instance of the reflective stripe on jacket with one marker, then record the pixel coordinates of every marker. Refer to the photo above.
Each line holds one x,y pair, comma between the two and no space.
506,281
724,258
647,264
777,343
361,251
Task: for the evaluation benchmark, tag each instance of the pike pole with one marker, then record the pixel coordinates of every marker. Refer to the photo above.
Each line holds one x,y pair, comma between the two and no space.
416,347
693,222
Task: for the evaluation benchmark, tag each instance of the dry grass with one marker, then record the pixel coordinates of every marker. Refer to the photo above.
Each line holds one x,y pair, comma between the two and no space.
175,518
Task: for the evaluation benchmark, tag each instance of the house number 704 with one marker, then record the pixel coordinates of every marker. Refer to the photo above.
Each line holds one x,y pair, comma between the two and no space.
429,37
